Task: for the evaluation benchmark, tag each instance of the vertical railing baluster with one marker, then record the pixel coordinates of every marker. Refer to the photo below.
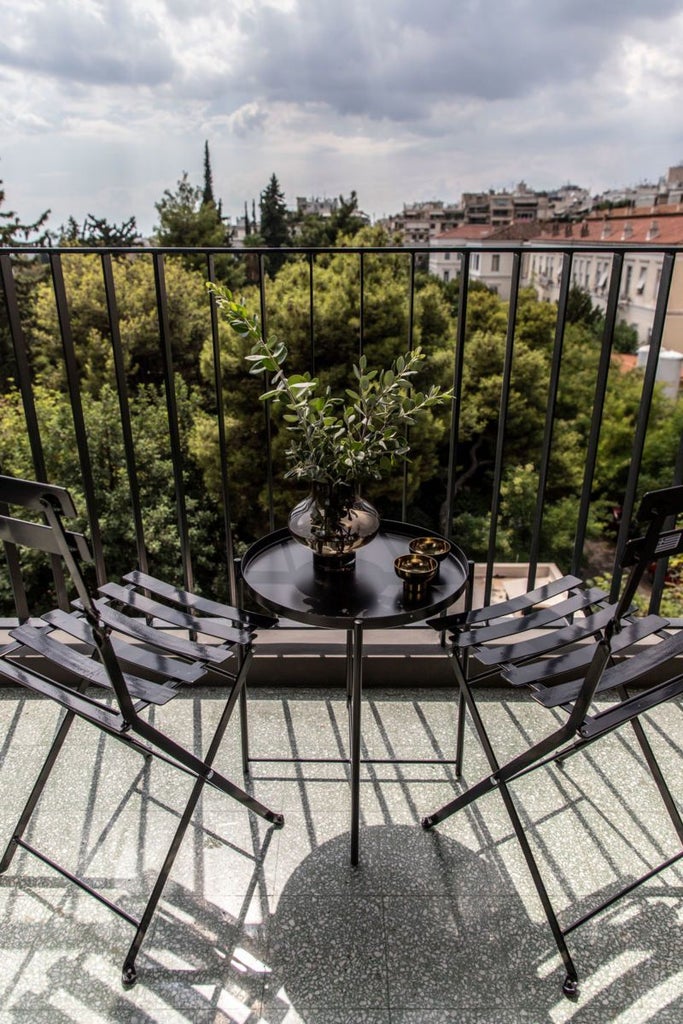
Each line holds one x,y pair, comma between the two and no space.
80,431
502,421
124,409
230,563
662,564
456,402
361,329
311,313
643,416
550,417
24,380
598,409
266,410
173,424
411,342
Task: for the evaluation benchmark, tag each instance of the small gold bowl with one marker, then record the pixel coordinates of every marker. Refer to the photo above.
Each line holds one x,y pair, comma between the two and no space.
417,572
435,547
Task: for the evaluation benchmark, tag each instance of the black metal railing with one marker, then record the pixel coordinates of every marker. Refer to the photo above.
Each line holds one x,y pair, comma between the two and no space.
18,353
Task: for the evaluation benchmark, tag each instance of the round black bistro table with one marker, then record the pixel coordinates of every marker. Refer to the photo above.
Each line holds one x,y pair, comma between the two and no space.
279,572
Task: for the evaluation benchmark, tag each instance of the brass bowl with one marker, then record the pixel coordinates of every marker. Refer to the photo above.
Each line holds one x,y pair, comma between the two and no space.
417,572
436,547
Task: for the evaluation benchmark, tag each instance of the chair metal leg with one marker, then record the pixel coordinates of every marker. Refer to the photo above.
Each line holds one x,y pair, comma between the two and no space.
129,973
38,787
656,771
355,720
244,730
460,735
498,780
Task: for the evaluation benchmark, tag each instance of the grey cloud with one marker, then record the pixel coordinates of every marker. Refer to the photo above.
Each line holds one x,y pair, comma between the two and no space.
75,44
395,59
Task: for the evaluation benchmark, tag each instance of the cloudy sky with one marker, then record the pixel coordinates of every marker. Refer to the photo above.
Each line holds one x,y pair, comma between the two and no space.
104,103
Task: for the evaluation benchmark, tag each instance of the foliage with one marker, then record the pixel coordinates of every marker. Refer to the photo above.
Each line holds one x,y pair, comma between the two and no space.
274,222
333,440
99,232
137,320
187,221
112,489
580,310
671,605
27,271
207,192
316,231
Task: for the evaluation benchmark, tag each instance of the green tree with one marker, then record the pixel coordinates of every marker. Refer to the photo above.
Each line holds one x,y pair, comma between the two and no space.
315,231
207,193
98,231
274,221
386,311
112,491
138,322
27,271
185,220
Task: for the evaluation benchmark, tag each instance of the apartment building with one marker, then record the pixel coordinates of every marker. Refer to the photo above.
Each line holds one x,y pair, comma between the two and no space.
420,222
489,265
591,269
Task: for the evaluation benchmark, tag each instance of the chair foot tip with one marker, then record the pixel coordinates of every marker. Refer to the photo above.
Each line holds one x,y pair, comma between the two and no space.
428,822
278,820
128,975
570,988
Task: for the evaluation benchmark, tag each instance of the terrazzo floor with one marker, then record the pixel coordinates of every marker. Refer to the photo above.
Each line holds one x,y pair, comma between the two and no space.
273,926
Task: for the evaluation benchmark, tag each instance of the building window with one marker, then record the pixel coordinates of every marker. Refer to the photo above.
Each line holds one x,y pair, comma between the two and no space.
642,275
475,261
495,263
446,255
446,275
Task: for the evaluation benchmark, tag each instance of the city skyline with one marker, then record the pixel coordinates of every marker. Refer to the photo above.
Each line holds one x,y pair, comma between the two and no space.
106,104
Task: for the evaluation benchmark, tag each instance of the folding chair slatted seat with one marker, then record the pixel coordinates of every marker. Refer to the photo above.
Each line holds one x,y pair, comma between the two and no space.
154,664
569,681
483,639
106,667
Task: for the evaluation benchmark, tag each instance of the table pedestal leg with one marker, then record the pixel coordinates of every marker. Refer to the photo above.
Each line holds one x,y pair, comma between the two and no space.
356,662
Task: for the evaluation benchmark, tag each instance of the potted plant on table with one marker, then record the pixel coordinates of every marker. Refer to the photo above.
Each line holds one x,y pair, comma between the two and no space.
335,443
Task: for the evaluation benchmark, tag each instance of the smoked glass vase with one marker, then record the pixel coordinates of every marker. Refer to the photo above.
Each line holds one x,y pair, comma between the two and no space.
334,522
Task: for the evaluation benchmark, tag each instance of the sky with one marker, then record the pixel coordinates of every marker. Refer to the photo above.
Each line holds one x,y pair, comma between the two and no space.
105,103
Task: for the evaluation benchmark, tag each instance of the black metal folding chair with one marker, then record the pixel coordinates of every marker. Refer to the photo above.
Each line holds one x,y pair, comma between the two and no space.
568,681
106,662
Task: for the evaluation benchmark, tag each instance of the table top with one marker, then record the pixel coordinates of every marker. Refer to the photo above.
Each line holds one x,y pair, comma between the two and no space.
279,571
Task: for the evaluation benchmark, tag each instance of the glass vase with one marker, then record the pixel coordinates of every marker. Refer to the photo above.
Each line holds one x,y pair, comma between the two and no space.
334,522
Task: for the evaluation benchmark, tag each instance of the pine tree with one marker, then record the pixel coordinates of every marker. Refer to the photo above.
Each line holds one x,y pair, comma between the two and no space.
274,221
207,194
247,226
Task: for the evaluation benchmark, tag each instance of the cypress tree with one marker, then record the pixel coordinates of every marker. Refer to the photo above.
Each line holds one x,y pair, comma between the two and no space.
207,194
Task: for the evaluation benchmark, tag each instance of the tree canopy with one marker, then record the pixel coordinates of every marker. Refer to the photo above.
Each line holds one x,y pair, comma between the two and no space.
381,324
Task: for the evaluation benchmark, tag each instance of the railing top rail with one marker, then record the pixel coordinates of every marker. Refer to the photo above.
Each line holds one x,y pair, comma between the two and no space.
561,245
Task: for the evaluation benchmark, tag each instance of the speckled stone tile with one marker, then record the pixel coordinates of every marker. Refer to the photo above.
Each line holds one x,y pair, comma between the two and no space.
282,1012
440,956
328,952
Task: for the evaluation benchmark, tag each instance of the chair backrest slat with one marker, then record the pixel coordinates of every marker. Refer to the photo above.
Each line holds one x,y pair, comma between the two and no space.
31,494
43,538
